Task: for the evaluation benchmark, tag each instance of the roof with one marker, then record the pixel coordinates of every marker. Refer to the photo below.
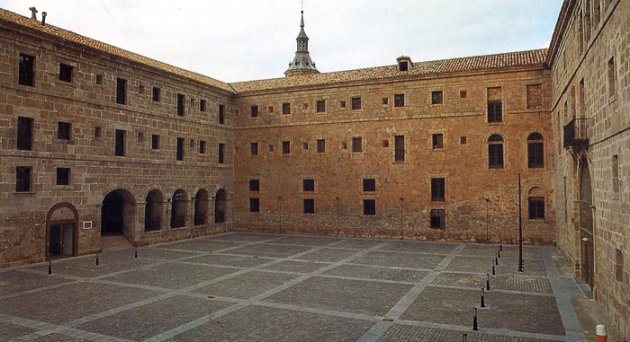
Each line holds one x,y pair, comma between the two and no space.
418,70
10,17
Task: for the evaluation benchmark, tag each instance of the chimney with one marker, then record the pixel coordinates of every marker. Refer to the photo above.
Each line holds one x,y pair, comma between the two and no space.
33,13
44,14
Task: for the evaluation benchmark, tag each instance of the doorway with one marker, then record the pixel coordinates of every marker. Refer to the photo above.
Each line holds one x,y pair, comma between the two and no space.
61,231
587,243
117,213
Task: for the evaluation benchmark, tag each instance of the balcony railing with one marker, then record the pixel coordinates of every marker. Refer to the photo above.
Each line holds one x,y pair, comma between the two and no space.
575,133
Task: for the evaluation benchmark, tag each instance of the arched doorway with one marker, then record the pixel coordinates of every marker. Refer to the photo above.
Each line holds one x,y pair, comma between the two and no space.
220,206
585,207
201,207
179,209
62,223
153,211
117,213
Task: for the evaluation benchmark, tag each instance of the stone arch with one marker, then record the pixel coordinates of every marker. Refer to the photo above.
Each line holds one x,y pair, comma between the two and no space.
201,207
220,206
118,211
62,231
179,208
153,210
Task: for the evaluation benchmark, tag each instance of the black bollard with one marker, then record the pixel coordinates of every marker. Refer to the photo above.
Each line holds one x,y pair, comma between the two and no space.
496,261
487,282
465,337
499,253
483,302
49,267
501,247
135,252
493,270
475,326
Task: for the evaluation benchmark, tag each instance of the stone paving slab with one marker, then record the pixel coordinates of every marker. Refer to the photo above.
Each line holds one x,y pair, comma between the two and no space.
296,266
406,333
9,331
201,245
357,243
230,260
328,254
15,281
420,247
246,285
85,267
157,253
270,250
511,281
58,338
396,259
381,273
306,241
244,237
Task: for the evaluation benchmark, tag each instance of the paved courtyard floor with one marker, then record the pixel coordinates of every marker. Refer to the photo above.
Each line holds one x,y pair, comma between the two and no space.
263,287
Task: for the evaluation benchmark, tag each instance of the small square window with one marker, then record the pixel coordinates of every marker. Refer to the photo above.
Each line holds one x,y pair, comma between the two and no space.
270,109
321,106
254,205
342,104
309,206
64,130
155,141
369,207
308,185
304,106
369,184
23,178
156,94
385,143
253,148
399,100
286,147
254,185
385,101
202,105
437,218
305,146
98,132
63,176
463,94
99,79
254,111
286,108
438,141
356,103
462,140
436,97
65,72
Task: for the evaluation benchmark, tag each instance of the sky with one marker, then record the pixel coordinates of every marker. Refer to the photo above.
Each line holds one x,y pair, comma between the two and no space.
241,40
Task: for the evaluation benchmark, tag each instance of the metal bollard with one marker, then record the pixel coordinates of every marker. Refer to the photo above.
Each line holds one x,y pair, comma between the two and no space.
135,252
493,270
49,267
475,325
96,259
487,282
483,302
600,331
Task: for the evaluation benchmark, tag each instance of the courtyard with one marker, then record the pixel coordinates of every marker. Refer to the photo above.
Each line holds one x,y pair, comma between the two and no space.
263,287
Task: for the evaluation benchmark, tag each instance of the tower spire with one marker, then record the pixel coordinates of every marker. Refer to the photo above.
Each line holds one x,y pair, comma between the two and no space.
302,63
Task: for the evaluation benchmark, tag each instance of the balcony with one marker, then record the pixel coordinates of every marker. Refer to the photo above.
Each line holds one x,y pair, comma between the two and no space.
575,134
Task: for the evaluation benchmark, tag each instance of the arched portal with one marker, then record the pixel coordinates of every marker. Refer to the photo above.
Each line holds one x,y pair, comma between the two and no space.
153,211
220,206
62,222
117,213
587,262
201,207
179,209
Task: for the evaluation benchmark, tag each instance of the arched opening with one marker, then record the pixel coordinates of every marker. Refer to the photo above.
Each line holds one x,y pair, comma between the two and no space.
117,213
585,208
62,223
536,204
220,206
201,207
535,151
179,209
495,151
153,211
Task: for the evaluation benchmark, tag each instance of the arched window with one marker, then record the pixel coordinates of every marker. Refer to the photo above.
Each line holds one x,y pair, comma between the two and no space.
201,207
536,204
495,151
220,205
153,211
179,209
535,151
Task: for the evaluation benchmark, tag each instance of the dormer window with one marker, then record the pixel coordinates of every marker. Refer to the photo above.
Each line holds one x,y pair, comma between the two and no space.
404,63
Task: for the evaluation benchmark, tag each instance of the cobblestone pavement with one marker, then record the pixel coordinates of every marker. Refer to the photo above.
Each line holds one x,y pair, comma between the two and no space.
263,287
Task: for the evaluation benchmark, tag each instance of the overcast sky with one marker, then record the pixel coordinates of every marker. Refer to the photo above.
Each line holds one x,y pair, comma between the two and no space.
238,40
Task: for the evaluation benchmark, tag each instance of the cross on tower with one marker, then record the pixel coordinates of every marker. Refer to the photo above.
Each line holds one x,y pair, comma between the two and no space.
302,5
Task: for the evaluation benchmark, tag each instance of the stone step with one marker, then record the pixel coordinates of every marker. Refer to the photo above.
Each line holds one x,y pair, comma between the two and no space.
114,242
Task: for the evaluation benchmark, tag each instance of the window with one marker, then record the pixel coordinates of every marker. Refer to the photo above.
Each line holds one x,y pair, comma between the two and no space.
436,97
321,145
356,103
254,185
65,72
615,173
221,114
357,144
254,205
462,140
308,185
495,106
495,152
581,98
63,130
221,153
342,104
141,89
437,218
25,133
155,141
119,149
27,70
536,208
399,100
98,132
438,190
121,90
202,147
369,184
618,264
385,101
181,104
305,146
253,148
254,111
202,105
63,176
286,147
535,151
403,66
270,147
156,94
179,153
23,178
534,96
385,143
270,109
309,206
463,94
99,79
612,77
320,106
369,207
399,148
286,108
438,141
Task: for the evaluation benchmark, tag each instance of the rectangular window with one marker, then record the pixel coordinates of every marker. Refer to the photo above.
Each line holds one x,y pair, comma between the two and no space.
221,114
321,145
437,97
63,176
320,106
254,205
357,144
308,185
23,178
463,94
356,103
438,141
369,184
254,185
254,111
286,147
534,96
495,156
202,105
618,264
65,72
305,146
615,173
221,153
99,79
399,148
156,94
179,154
98,132
202,147
155,141
181,99
63,130
438,190
536,208
495,105
582,99
25,133
253,148
385,101
286,108
309,206
437,218
342,104
369,207
27,70
535,156
121,90
462,140
612,77
119,149
399,100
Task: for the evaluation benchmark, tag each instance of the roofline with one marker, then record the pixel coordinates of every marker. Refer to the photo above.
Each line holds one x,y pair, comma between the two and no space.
558,33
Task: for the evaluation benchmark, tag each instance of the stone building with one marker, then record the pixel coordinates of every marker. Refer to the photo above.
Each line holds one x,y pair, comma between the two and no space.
100,146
